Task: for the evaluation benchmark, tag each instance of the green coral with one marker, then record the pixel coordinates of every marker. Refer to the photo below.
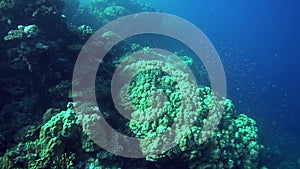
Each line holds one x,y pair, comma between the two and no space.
29,31
63,161
52,148
156,99
88,145
114,11
234,143
104,11
5,162
53,140
85,30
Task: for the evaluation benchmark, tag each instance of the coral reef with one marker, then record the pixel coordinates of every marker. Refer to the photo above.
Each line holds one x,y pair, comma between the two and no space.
40,41
29,31
234,144
63,142
100,12
35,66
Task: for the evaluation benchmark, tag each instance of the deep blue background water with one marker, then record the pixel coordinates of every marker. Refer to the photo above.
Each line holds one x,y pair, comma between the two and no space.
259,44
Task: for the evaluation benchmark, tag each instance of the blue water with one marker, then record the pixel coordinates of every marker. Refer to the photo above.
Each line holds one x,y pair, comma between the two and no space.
259,44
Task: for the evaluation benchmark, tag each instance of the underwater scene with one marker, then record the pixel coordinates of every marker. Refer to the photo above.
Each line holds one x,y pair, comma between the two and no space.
148,84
